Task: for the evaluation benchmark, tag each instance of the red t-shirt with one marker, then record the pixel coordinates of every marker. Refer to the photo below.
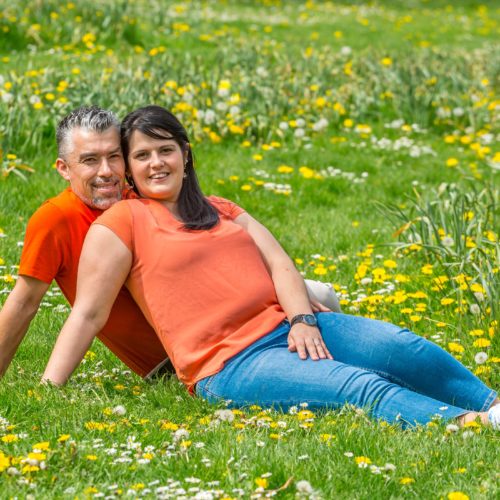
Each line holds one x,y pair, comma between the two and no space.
208,294
52,247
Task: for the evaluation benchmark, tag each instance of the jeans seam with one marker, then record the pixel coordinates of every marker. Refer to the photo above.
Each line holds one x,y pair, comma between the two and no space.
489,400
389,377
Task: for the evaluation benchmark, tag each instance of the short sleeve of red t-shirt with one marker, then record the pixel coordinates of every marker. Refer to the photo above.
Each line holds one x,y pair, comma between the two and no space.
118,218
47,236
225,207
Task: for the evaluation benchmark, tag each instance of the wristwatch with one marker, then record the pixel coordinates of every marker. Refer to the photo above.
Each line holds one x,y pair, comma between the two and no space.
307,319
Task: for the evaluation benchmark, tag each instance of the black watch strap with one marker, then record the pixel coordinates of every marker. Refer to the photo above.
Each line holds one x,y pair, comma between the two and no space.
307,319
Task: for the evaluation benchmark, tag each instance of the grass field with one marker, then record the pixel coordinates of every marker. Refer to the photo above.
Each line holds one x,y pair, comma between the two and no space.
364,135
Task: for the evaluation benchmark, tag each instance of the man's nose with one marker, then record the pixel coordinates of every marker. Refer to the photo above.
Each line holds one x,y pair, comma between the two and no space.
105,168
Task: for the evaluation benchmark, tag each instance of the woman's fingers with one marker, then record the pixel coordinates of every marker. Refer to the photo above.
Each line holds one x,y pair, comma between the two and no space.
308,342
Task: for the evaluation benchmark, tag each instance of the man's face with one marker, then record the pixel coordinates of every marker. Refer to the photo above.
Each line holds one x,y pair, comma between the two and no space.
94,167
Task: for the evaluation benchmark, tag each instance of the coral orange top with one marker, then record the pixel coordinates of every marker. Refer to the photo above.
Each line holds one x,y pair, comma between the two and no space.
207,294
51,251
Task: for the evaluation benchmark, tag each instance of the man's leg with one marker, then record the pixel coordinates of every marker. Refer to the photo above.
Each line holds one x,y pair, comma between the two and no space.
324,293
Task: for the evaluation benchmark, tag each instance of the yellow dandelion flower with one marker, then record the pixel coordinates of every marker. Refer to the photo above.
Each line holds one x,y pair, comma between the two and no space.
386,61
246,187
406,480
476,333
427,269
362,459
447,301
451,162
457,495
262,482
481,343
4,462
10,438
454,347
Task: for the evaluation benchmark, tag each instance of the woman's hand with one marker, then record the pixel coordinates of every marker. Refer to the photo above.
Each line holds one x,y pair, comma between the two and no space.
307,340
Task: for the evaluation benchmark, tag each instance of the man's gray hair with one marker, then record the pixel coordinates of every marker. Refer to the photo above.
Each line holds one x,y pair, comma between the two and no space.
91,118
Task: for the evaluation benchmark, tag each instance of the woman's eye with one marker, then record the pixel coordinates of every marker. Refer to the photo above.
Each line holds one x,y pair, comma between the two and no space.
165,150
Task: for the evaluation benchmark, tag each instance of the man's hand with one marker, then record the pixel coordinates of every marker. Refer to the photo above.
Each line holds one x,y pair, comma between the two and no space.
318,307
307,340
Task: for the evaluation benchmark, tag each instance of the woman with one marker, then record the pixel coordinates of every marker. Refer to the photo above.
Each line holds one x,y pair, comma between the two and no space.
218,290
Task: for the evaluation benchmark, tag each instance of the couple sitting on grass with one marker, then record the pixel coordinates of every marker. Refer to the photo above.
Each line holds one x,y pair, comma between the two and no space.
225,301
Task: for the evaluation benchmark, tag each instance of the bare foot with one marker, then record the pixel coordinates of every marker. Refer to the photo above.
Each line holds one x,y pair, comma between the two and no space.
473,416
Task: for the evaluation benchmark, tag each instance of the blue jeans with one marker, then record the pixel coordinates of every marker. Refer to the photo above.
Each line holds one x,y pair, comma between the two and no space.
393,373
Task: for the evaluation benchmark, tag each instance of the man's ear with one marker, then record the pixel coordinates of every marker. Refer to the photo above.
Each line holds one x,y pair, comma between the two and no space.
62,168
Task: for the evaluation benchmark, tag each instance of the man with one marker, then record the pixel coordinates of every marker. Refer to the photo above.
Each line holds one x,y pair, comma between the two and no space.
90,159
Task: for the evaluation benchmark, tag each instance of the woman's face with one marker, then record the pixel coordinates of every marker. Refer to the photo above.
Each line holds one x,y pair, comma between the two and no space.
157,166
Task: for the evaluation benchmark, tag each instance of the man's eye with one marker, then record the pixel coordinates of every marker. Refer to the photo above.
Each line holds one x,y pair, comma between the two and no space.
89,161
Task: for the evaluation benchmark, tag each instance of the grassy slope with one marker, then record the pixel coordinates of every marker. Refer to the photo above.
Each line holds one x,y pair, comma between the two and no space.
316,219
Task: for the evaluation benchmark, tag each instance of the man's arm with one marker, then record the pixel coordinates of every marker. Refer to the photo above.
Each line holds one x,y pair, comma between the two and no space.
15,317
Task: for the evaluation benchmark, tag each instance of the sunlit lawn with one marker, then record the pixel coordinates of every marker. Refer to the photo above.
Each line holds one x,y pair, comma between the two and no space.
365,136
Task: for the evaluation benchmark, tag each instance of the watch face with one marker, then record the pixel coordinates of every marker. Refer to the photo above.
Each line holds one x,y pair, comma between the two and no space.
309,319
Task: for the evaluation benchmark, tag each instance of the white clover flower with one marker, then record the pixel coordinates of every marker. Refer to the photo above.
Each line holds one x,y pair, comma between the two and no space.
480,358
475,309
320,125
479,296
389,467
304,487
468,434
299,133
221,106
345,50
222,92
300,122
234,110
447,241
452,428
283,126
181,434
34,99
119,410
7,97
261,71
458,112
209,116
224,415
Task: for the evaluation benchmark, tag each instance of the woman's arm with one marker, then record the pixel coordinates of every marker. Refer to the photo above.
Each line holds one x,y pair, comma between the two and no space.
104,266
290,290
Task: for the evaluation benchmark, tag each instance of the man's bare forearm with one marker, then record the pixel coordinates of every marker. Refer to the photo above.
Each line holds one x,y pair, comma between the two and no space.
16,315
